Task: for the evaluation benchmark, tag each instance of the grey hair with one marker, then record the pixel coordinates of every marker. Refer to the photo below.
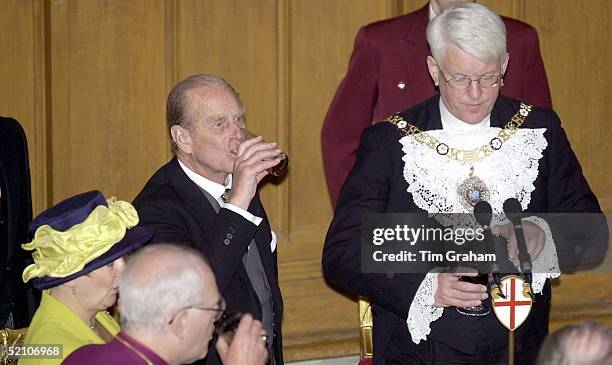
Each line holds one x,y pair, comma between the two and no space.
178,107
471,27
148,301
567,345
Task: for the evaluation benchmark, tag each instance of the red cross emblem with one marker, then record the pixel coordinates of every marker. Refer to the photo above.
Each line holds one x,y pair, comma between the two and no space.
513,310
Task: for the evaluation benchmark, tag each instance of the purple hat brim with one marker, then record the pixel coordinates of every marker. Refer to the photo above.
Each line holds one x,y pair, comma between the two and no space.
133,239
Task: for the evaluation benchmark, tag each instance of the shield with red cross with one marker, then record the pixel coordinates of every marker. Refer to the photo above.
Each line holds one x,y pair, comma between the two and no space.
512,310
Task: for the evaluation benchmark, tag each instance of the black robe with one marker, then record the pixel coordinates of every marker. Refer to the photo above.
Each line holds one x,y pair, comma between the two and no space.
376,184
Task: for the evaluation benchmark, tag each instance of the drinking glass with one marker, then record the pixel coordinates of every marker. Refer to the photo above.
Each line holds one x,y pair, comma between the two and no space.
481,309
242,135
227,325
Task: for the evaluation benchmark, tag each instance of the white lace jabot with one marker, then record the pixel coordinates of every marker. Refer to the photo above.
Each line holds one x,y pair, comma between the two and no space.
433,181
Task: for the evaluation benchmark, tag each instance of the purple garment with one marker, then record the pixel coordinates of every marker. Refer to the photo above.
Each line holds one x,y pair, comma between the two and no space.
122,350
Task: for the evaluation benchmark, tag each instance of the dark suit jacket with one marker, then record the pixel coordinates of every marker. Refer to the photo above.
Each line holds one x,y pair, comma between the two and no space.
178,210
16,214
376,184
395,50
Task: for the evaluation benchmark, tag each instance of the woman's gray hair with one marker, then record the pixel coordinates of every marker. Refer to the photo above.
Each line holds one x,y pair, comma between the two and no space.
150,297
471,27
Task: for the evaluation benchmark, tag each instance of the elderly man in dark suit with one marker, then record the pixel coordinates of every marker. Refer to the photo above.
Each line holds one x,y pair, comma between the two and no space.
16,305
387,73
189,199
419,160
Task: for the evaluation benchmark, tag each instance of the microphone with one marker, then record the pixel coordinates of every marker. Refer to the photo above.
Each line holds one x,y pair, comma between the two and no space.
514,211
484,215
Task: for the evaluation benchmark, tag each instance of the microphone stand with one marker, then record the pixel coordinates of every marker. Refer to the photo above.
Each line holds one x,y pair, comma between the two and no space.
514,211
483,212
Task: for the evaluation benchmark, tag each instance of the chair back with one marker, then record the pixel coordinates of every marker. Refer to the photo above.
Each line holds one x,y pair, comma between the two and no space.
365,328
10,337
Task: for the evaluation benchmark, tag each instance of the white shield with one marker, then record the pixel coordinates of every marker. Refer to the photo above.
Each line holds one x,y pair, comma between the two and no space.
512,310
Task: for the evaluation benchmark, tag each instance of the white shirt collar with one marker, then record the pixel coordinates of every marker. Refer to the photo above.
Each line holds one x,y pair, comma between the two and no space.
211,187
431,12
450,122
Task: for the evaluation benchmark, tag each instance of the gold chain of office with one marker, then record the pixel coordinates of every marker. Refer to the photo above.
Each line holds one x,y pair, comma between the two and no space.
463,156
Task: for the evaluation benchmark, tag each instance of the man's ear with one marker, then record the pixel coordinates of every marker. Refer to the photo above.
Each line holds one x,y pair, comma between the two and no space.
178,326
182,138
432,66
505,63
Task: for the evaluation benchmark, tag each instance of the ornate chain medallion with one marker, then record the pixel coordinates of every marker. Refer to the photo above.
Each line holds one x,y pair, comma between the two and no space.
472,189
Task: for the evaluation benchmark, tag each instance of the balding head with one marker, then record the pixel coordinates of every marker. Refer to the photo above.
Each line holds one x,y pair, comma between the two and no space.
160,280
180,107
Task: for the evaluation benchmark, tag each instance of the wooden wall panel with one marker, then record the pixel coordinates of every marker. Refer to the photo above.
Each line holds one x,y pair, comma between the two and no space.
322,35
22,74
238,40
108,90
408,6
576,44
321,40
17,45
510,8
88,80
572,301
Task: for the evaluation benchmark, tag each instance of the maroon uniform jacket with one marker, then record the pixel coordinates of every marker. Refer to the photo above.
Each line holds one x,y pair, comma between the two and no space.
388,73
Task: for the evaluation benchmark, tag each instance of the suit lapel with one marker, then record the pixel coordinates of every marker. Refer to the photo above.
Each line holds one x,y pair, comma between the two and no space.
502,112
429,118
192,196
197,203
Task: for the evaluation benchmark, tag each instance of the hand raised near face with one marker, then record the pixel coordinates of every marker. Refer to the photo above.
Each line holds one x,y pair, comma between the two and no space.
253,159
248,345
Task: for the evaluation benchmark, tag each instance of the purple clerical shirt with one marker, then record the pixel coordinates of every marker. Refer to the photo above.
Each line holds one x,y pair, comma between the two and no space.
122,350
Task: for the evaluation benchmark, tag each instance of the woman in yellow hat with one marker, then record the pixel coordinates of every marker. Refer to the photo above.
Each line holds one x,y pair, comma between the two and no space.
78,248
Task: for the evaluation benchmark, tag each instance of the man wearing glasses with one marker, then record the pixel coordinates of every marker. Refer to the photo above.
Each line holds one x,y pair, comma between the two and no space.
387,73
170,306
443,156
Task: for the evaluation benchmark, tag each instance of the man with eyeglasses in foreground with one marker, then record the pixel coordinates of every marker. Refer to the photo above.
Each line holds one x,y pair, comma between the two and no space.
441,157
169,305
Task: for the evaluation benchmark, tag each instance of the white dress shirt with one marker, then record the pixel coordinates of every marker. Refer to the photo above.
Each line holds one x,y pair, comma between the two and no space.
451,122
216,190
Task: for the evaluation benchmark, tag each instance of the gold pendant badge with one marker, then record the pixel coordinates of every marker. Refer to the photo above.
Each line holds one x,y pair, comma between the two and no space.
472,190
